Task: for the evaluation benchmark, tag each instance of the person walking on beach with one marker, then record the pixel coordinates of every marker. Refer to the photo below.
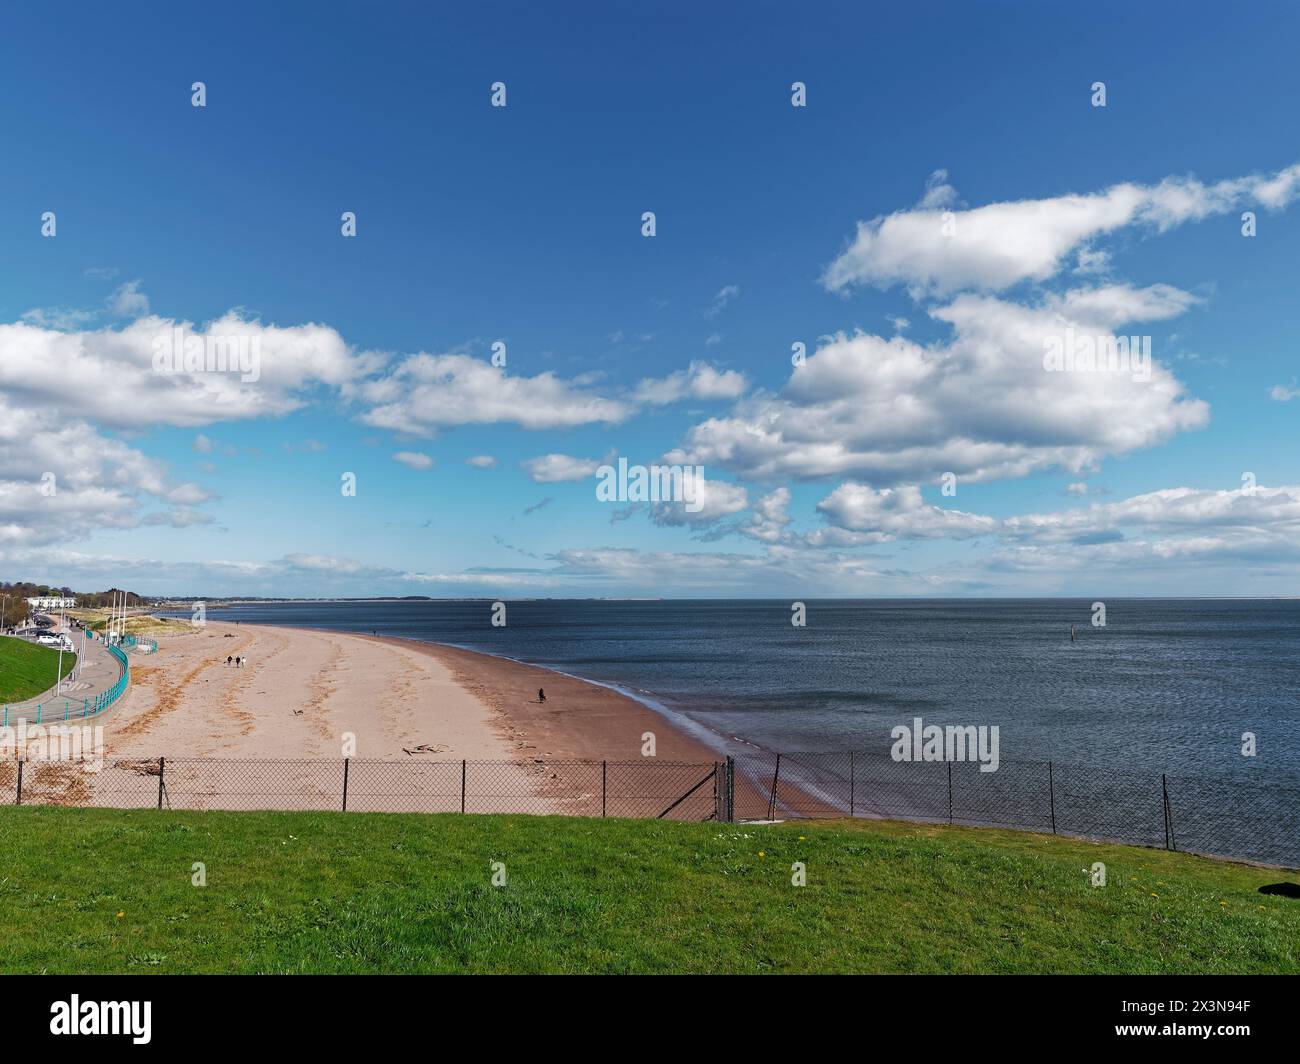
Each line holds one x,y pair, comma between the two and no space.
229,659
541,695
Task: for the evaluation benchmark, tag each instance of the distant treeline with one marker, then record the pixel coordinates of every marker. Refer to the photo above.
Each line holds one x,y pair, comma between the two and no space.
16,609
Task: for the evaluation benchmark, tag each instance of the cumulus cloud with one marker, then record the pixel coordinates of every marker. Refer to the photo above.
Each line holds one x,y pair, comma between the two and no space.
482,461
981,405
111,376
699,381
424,393
554,468
993,247
711,501
60,481
770,518
897,513
414,459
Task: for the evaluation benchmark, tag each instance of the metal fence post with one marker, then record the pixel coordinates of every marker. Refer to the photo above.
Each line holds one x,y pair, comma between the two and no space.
731,790
345,783
161,764
1170,842
949,792
771,802
604,779
19,799
462,786
853,785
1051,796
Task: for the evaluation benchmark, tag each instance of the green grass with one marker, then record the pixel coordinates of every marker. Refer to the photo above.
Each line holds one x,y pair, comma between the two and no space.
87,890
28,669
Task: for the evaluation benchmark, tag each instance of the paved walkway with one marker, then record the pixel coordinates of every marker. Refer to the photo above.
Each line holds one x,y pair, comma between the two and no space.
96,673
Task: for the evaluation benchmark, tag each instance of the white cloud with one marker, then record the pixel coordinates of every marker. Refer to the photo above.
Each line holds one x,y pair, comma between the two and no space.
98,482
414,459
426,392
127,301
63,318
771,518
1283,394
896,513
725,295
981,405
1001,244
939,195
711,501
109,375
699,381
553,468
1176,518
482,461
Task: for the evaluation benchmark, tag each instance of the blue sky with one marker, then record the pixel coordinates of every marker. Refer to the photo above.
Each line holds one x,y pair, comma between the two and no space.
523,224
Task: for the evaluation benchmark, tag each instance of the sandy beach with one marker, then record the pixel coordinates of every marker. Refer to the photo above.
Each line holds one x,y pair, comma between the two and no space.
301,692
274,733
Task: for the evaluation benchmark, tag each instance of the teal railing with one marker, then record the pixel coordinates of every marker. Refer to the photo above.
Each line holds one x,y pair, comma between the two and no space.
59,709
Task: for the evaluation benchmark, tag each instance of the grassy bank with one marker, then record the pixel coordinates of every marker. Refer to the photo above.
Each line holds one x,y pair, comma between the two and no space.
110,891
27,669
135,624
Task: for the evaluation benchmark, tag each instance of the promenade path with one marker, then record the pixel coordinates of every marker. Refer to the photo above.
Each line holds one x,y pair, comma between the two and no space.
98,672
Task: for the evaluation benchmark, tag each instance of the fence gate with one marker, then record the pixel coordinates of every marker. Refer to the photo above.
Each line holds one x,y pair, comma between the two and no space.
712,777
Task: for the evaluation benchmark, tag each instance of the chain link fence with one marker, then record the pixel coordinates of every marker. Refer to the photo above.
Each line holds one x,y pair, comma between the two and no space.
639,789
1251,817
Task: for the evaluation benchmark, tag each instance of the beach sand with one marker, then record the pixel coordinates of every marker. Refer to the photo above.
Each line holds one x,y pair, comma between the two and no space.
302,690
415,710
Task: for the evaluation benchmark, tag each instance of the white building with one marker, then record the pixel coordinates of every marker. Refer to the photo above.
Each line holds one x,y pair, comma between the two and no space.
52,603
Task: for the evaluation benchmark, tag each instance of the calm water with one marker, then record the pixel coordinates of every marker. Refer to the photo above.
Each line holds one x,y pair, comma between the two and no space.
1165,684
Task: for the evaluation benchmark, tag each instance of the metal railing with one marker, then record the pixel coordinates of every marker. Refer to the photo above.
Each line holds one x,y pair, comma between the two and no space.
62,708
